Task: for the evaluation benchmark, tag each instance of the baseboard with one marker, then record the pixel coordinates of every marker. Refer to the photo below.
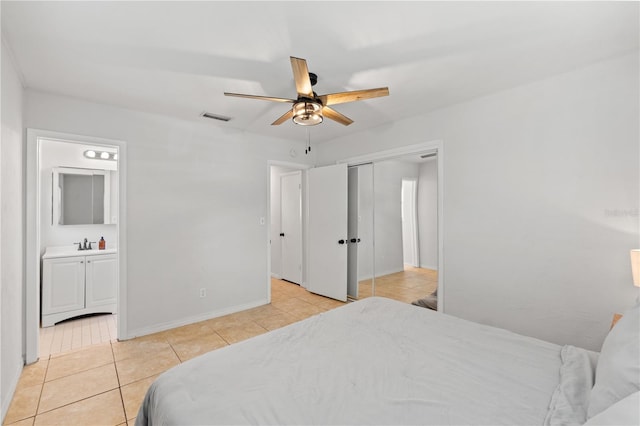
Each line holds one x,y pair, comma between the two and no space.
8,397
190,320
435,268
276,276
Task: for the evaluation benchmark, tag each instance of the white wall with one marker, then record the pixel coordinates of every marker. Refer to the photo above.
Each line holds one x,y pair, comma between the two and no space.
195,196
11,231
62,154
541,194
428,213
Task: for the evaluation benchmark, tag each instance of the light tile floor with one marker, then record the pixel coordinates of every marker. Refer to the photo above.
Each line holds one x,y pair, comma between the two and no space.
405,286
104,384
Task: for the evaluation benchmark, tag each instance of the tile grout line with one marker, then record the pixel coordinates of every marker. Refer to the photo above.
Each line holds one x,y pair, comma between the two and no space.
44,380
115,366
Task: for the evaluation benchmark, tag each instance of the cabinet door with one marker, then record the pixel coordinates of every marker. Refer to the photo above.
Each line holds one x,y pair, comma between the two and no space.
62,284
101,279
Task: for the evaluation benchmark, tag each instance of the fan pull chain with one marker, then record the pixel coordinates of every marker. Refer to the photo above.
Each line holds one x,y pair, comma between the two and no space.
308,148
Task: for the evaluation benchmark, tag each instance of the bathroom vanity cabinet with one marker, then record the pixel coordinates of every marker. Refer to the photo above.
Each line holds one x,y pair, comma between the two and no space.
78,283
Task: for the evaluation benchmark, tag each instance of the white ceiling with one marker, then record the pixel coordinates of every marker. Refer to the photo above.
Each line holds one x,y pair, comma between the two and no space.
177,58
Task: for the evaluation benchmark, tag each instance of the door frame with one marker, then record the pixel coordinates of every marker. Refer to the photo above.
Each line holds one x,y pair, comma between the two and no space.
32,224
293,166
432,146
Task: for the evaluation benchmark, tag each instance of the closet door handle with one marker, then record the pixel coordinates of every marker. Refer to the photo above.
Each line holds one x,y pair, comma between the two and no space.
341,241
353,240
282,234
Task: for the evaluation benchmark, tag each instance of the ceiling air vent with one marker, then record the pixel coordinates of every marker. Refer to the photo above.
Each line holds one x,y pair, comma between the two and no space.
431,154
215,116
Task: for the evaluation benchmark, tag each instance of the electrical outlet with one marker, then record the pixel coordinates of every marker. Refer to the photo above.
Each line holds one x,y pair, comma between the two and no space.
203,292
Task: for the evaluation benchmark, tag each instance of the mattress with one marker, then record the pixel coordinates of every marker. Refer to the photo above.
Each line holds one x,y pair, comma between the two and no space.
377,361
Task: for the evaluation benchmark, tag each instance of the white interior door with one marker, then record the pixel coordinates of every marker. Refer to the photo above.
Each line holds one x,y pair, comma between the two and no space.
327,195
291,226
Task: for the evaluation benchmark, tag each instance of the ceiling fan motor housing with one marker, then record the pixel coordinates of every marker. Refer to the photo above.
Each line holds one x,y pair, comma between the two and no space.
313,78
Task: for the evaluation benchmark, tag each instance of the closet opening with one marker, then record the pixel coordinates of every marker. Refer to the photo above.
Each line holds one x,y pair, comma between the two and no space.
394,210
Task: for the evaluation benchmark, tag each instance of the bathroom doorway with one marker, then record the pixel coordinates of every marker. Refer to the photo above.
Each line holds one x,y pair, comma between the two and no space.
51,158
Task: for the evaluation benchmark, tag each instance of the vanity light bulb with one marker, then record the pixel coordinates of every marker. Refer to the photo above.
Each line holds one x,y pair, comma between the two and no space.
90,154
115,156
104,155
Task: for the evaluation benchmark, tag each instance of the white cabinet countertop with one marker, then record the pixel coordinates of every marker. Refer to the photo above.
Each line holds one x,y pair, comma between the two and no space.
69,251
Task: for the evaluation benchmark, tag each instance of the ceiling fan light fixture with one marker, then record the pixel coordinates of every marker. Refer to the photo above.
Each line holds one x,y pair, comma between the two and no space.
307,113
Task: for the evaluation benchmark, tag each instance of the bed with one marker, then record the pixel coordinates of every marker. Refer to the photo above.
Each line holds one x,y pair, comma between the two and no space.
379,361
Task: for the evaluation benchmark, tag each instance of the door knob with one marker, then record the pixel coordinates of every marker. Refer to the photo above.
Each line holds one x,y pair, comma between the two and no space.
353,240
282,234
341,241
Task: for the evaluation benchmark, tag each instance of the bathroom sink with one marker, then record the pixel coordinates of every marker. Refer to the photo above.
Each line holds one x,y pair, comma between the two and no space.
68,251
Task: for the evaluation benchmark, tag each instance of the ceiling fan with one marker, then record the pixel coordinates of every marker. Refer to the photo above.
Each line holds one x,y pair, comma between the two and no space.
309,108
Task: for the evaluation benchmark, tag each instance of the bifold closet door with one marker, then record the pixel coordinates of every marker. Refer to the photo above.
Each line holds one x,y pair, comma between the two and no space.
327,195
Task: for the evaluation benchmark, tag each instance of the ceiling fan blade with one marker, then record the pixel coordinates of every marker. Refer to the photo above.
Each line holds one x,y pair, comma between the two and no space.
356,95
286,116
301,77
264,98
336,116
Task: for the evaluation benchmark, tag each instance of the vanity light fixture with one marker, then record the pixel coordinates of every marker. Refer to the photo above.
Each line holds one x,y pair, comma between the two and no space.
100,155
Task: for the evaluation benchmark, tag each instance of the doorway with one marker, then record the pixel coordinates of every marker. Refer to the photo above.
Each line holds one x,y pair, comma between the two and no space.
291,226
286,236
42,230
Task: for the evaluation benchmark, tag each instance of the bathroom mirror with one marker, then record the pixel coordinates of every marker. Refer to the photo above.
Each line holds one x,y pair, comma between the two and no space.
80,196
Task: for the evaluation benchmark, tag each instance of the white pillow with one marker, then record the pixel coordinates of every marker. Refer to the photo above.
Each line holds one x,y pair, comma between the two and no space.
623,412
618,369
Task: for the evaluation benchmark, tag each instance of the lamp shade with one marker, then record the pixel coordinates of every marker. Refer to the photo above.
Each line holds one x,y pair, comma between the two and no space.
635,266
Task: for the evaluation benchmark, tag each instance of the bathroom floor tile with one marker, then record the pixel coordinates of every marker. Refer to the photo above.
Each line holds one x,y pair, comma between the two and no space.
103,409
76,387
